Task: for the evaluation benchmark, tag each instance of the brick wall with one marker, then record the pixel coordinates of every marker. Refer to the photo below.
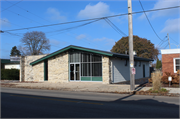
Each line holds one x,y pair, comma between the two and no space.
168,62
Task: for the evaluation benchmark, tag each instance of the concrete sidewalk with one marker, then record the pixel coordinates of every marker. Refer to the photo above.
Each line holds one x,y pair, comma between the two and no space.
87,86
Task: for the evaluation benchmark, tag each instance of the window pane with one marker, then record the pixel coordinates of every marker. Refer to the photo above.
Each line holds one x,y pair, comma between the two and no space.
85,57
178,62
96,58
74,57
85,69
177,67
96,69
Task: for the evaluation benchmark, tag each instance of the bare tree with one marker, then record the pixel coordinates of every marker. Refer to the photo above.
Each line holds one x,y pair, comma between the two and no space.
34,43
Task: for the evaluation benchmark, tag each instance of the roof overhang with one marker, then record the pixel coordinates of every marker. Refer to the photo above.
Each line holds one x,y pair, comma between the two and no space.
68,48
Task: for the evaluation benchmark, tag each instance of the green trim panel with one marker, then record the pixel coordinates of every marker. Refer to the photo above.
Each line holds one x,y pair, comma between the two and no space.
85,78
93,78
96,78
67,48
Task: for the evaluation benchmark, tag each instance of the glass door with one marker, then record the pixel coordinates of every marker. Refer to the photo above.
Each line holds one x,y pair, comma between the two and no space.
72,72
75,72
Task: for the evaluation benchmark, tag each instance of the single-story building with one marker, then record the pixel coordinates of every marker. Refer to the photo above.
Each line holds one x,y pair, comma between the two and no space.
170,60
74,63
8,64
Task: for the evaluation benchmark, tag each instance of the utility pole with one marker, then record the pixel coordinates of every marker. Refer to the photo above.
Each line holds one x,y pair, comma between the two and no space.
168,41
131,56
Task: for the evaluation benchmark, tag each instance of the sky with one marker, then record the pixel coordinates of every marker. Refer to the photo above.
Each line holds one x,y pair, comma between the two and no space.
97,35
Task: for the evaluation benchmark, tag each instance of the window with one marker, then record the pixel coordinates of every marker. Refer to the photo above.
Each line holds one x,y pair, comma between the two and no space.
126,63
135,63
91,65
176,64
139,63
96,69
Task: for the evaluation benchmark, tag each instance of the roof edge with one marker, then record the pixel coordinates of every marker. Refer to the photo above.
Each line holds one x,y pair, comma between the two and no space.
67,48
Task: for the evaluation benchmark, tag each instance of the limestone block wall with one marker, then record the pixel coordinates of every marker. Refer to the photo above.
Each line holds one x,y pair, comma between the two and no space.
58,68
33,73
38,72
21,75
106,70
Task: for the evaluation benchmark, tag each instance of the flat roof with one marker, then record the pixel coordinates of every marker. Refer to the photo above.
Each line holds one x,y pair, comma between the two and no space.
8,61
170,51
106,53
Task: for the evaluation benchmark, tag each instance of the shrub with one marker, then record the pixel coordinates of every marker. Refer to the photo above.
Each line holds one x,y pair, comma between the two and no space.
9,74
175,79
156,80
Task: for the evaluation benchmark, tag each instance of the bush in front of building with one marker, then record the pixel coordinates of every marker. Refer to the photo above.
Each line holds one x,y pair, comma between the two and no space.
164,79
9,74
175,78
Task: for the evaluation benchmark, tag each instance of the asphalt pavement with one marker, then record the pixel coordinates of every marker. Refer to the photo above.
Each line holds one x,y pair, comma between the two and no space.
34,103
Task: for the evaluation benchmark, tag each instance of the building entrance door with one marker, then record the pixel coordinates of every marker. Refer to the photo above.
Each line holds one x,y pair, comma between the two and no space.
74,72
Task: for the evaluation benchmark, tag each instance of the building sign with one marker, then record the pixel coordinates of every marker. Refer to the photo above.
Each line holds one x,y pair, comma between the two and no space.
12,66
14,58
133,71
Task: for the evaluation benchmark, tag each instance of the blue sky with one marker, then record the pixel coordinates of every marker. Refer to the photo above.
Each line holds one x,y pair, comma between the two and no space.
97,35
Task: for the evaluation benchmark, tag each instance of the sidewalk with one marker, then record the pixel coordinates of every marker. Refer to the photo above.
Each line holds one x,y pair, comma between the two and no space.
85,86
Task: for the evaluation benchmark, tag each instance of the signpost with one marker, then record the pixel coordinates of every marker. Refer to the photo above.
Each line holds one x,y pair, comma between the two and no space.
169,79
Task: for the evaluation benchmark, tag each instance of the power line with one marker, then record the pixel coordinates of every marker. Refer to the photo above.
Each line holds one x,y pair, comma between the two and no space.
28,11
149,21
11,6
173,40
116,27
162,40
74,26
24,17
166,46
94,18
10,22
13,34
162,43
113,27
49,21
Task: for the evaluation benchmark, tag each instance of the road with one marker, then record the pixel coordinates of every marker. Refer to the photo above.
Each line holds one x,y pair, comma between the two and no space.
34,103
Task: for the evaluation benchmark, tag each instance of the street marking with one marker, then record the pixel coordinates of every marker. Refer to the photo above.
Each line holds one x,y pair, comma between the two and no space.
60,100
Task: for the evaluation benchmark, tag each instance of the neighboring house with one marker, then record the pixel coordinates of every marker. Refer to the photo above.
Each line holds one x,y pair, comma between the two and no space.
170,60
7,64
74,63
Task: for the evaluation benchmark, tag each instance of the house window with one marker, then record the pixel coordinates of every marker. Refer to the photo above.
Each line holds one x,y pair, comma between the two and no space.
139,63
135,63
176,64
126,63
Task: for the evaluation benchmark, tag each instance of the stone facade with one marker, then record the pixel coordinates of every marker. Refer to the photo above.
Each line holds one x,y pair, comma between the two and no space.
168,62
106,70
38,72
58,68
29,72
22,68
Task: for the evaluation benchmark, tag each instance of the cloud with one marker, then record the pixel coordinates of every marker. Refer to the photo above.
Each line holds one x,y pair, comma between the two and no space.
172,26
81,36
55,15
105,41
4,22
92,11
161,13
